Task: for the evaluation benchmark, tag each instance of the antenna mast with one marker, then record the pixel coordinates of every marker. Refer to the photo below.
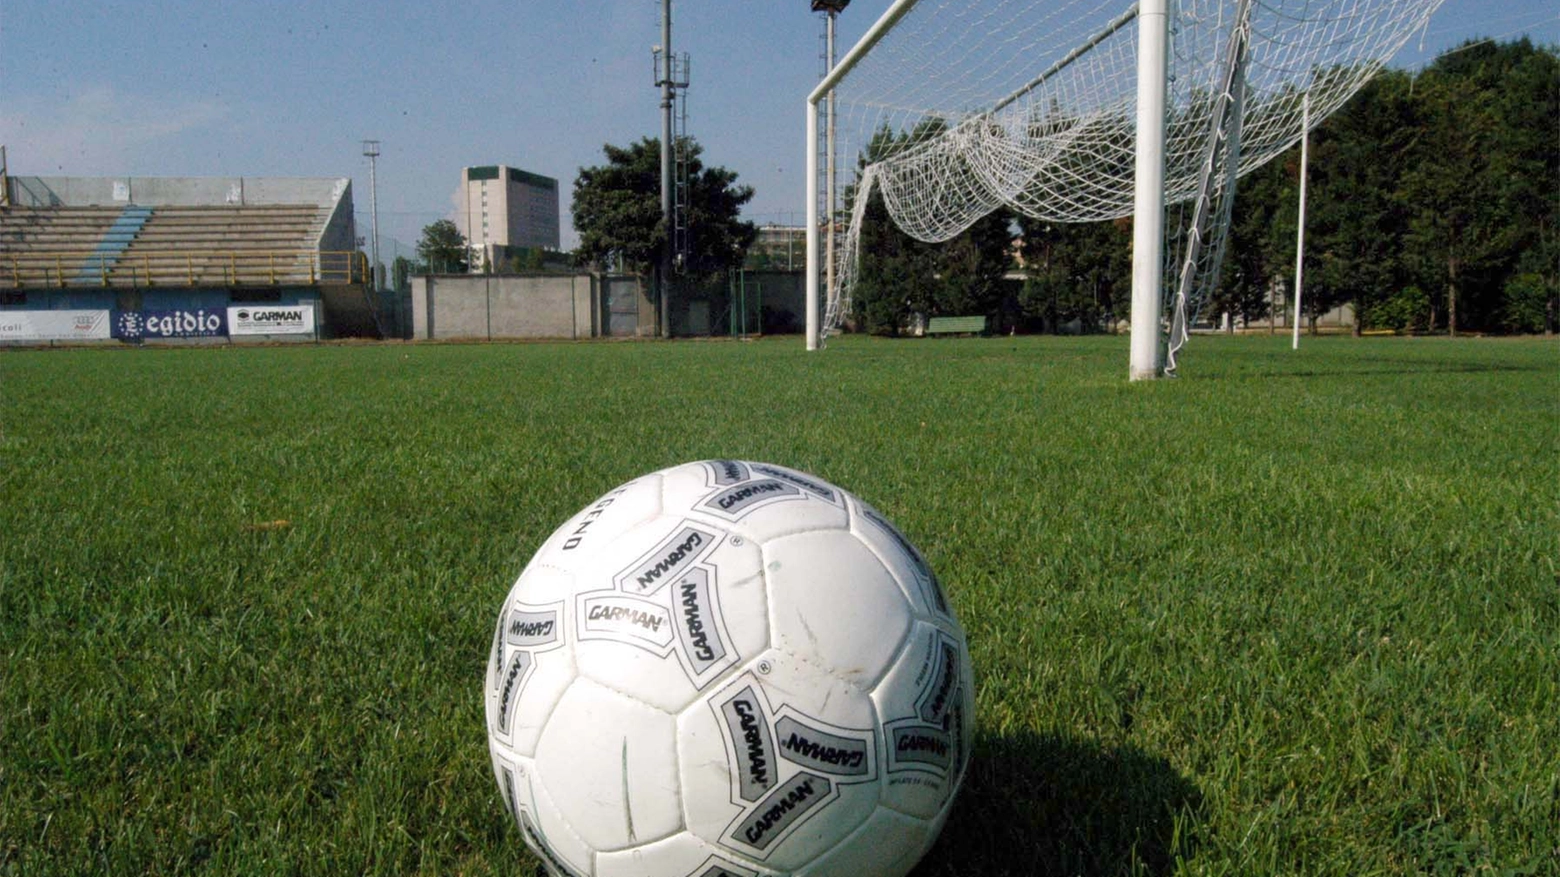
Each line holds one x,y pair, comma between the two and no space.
671,75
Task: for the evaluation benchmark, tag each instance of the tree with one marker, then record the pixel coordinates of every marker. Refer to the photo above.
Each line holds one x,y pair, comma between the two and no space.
896,275
1355,226
443,248
617,211
1076,272
1260,249
972,266
899,277
1454,222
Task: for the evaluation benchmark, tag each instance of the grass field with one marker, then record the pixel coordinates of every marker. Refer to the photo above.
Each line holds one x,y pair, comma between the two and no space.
1295,613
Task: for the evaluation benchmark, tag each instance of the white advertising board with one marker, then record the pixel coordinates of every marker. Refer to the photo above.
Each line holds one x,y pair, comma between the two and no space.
271,320
54,325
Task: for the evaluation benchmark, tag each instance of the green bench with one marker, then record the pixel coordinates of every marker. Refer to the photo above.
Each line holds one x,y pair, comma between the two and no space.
956,326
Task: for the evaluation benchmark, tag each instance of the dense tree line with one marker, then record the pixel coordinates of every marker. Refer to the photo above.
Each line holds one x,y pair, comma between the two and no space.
1433,205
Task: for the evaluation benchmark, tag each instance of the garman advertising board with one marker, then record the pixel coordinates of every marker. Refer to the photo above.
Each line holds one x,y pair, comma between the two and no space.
271,320
180,323
53,325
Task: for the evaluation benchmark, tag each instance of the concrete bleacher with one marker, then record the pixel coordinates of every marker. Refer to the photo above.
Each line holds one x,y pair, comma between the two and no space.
58,233
205,245
181,245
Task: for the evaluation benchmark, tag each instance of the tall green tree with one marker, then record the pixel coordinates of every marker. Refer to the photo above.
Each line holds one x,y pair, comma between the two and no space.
1455,221
895,273
443,248
1522,84
1356,224
1074,272
1260,251
617,211
972,266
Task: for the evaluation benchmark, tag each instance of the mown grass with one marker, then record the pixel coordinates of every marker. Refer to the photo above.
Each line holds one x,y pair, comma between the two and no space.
1295,613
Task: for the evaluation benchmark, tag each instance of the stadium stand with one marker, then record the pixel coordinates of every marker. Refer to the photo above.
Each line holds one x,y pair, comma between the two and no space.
193,243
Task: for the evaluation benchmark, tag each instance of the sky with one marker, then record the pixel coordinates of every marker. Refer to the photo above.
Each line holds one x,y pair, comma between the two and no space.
252,88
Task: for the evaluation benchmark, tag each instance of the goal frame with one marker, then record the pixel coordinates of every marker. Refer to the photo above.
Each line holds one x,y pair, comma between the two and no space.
1146,357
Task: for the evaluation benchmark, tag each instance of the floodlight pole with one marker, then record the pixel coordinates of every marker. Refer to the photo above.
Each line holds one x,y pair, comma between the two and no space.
1148,223
814,330
831,10
371,149
1305,142
836,73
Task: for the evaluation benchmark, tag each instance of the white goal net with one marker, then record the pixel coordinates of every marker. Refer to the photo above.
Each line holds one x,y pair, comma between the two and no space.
950,109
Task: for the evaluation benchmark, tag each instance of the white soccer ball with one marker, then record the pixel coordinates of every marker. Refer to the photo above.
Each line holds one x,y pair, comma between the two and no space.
728,668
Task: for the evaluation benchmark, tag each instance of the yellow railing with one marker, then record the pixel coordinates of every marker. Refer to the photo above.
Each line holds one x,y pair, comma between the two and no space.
87,268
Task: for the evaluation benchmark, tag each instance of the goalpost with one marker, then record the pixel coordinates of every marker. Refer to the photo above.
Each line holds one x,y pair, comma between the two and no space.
1082,111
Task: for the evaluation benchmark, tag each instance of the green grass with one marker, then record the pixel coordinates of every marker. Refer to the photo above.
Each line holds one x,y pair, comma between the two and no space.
1295,613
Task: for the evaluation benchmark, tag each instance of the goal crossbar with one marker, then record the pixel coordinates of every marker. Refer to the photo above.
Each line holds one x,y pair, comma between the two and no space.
1120,22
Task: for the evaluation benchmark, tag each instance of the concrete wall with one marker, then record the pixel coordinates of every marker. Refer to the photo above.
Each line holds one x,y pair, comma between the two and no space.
494,306
500,306
340,231
174,191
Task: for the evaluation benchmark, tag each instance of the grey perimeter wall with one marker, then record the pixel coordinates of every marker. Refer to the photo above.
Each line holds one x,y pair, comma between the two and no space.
493,306
500,306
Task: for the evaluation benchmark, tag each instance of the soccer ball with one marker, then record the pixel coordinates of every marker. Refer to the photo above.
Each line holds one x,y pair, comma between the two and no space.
728,669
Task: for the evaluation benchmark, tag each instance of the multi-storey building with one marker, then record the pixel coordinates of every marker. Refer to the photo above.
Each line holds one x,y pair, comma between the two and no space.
500,208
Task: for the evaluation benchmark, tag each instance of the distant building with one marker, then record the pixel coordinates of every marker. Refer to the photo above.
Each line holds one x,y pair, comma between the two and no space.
778,247
500,209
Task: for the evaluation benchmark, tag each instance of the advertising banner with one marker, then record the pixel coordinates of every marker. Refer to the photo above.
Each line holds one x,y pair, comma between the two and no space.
178,323
53,325
271,320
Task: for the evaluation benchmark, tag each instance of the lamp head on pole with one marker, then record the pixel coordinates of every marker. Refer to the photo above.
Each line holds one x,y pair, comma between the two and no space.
371,148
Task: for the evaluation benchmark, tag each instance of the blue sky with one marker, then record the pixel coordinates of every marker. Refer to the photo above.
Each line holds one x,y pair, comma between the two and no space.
164,88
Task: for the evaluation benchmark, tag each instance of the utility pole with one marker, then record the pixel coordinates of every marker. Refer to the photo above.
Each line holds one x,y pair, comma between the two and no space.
371,150
667,93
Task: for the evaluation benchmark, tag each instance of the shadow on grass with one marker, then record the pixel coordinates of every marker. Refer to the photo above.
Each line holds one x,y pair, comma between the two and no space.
1039,804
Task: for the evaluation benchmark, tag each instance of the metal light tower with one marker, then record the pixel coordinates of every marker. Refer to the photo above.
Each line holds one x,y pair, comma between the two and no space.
371,150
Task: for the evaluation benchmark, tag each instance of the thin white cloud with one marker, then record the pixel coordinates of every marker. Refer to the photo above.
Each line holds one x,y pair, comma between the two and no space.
98,130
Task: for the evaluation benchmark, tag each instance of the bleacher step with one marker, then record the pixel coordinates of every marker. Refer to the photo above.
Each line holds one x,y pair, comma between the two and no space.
113,243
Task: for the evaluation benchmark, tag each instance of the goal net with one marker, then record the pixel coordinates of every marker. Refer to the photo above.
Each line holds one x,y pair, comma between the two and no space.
950,109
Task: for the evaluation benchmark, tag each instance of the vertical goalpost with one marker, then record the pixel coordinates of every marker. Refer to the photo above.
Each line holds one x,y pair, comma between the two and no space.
1148,212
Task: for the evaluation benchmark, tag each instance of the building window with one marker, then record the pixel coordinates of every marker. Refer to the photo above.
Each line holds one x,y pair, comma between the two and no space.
12,297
